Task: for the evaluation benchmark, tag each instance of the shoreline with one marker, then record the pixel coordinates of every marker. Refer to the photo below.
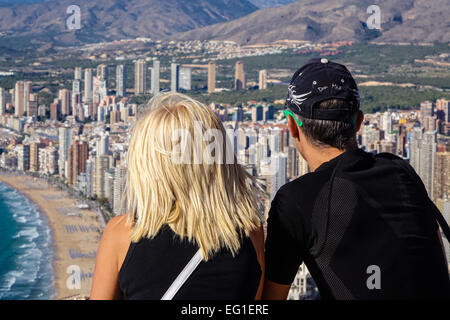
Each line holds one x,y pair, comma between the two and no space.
75,232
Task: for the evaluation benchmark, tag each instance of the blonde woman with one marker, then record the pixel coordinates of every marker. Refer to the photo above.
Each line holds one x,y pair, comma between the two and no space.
183,197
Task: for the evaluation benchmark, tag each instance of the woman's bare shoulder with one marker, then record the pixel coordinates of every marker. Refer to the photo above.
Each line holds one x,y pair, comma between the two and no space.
117,235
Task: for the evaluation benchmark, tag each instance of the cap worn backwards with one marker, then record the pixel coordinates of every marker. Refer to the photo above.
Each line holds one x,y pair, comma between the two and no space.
319,80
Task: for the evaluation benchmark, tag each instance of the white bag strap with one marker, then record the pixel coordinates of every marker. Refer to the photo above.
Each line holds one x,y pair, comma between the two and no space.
183,276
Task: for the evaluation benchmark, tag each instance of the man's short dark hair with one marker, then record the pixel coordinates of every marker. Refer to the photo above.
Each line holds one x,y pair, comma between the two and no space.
325,133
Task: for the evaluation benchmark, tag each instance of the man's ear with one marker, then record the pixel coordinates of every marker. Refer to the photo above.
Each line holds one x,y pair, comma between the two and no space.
293,128
359,120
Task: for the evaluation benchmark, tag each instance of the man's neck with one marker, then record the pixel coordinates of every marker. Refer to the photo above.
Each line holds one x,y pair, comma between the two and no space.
319,156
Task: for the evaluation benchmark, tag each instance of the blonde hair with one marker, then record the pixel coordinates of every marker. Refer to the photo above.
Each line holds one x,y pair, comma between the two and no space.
210,204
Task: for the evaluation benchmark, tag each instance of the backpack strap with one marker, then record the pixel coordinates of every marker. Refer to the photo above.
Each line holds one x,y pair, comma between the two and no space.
183,276
437,214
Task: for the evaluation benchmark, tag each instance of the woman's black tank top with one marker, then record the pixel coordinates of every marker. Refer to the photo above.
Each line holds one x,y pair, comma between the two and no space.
151,266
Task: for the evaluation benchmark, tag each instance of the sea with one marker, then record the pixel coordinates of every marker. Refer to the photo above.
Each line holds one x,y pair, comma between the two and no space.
26,249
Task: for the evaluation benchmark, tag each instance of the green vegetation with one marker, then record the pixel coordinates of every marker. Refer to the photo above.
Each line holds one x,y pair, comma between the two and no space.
372,98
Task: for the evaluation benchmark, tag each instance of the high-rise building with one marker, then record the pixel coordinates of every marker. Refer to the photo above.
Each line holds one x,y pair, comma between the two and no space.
101,165
78,154
2,101
427,159
140,77
174,77
88,85
386,123
156,77
33,105
257,113
99,90
292,163
262,79
426,110
102,71
48,159
119,189
121,80
76,94
239,76
278,164
109,185
211,77
23,157
27,89
415,143
103,144
441,181
269,112
19,99
78,73
34,156
65,140
65,97
55,110
185,78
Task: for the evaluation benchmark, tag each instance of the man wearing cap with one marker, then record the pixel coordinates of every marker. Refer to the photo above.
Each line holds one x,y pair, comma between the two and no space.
363,225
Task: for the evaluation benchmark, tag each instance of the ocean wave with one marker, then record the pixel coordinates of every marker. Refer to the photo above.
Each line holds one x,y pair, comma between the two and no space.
29,273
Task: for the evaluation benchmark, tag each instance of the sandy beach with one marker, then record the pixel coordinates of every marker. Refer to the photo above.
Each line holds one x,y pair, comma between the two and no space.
76,232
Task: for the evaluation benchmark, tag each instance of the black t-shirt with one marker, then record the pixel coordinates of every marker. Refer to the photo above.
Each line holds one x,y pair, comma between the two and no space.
365,228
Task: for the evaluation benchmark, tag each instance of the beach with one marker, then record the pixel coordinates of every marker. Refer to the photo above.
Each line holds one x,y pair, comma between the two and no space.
76,233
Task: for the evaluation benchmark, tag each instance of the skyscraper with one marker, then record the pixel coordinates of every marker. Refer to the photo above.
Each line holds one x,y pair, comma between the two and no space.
427,158
2,101
78,73
103,144
101,165
65,97
26,97
140,77
23,157
175,77
19,103
262,79
119,189
415,143
185,78
269,112
65,139
78,154
88,85
277,173
239,76
48,158
121,80
211,77
441,181
155,77
102,71
34,157
257,113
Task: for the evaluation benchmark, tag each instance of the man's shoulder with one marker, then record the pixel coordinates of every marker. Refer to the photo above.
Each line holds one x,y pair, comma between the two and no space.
303,188
307,181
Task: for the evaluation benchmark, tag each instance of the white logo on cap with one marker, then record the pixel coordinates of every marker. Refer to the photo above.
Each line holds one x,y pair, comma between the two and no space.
296,99
323,60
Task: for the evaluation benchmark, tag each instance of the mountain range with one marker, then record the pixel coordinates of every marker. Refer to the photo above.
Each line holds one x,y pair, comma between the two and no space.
44,23
116,19
331,20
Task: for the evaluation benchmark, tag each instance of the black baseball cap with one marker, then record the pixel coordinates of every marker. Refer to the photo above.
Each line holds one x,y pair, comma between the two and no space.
319,80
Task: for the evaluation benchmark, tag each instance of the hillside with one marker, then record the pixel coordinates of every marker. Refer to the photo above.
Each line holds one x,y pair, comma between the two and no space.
331,20
115,19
